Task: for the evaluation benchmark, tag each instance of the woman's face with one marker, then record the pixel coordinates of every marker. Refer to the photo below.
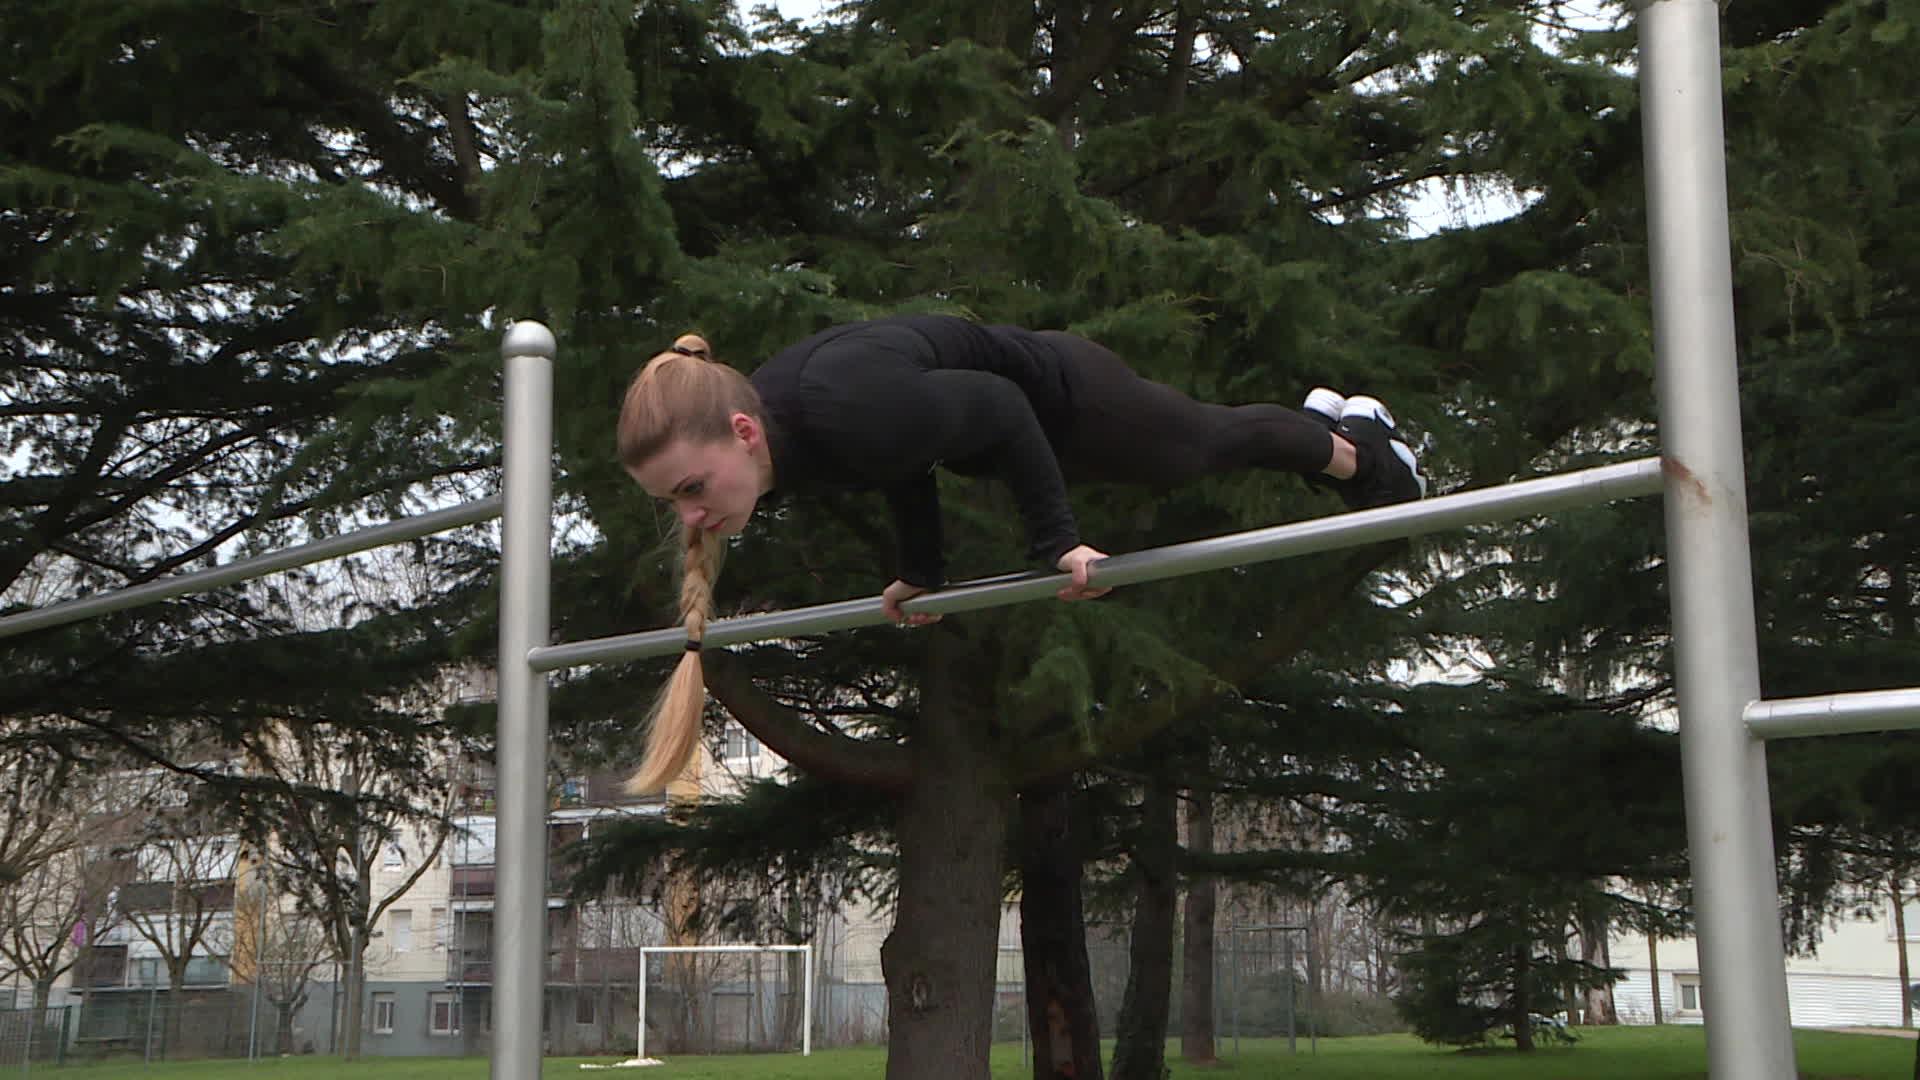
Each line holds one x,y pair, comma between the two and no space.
713,485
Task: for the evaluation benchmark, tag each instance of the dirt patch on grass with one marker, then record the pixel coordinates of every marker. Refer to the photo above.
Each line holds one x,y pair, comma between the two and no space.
1898,1033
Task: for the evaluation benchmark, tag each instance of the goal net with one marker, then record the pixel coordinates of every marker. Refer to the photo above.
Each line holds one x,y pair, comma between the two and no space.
725,999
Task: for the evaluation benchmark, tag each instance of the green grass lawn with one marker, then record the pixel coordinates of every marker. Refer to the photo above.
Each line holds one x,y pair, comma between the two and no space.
1636,1053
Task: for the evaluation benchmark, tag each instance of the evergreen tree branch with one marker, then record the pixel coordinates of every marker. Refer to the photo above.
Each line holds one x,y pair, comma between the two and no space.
826,754
287,510
1283,637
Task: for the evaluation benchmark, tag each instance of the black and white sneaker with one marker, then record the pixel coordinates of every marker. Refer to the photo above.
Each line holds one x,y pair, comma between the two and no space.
1387,470
1325,406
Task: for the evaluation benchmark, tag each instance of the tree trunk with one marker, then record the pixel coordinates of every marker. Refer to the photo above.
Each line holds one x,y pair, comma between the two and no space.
1141,1051
1653,977
683,971
172,1022
1319,947
1595,950
1570,992
939,959
1068,38
1196,1002
1900,949
354,991
1521,1015
37,1018
791,1014
1053,932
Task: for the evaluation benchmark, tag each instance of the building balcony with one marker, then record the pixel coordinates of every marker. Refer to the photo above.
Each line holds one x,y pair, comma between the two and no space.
589,967
472,882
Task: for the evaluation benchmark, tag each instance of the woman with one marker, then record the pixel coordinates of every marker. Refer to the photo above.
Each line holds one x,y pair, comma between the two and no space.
879,405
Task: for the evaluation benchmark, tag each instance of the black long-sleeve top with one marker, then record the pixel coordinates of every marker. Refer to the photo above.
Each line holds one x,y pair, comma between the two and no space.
880,404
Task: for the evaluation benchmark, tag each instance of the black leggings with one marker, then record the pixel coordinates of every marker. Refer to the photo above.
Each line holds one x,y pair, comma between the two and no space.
1126,429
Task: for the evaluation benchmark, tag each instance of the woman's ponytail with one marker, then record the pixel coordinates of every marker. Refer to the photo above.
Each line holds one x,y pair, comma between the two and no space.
682,393
673,732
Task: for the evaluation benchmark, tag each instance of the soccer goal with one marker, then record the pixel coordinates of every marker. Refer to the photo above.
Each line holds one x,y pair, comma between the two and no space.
728,997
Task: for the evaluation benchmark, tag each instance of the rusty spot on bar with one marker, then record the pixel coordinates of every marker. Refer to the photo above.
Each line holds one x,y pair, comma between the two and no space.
1680,474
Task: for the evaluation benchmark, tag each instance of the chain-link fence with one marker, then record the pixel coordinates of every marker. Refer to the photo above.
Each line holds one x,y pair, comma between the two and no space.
156,1025
1261,988
705,1004
31,1037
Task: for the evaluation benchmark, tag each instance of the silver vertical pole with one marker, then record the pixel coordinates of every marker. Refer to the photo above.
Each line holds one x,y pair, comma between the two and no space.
806,1006
1729,830
641,1052
519,929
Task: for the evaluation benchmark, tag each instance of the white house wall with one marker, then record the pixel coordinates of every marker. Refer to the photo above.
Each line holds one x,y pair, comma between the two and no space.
1851,980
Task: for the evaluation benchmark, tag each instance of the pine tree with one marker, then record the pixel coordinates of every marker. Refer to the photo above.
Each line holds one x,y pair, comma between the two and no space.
265,304
1819,301
1178,238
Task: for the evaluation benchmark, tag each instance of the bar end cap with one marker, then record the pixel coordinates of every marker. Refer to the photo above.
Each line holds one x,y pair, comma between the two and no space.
528,338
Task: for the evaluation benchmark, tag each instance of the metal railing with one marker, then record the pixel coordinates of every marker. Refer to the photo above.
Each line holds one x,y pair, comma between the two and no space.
333,547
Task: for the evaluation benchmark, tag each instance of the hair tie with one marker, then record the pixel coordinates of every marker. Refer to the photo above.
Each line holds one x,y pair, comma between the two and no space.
693,644
676,347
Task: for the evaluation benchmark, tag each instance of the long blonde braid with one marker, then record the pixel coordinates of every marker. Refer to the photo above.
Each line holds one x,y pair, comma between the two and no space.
682,393
673,725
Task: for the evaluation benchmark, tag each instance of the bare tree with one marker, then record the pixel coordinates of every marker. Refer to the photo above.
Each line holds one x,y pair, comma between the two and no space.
327,800
180,899
278,950
339,802
58,832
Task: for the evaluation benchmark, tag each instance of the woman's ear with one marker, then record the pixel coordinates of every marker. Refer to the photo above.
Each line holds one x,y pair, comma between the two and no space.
747,429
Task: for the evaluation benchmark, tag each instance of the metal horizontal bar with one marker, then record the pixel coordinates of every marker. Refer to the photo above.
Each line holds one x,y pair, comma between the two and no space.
722,948
1835,714
1507,501
332,547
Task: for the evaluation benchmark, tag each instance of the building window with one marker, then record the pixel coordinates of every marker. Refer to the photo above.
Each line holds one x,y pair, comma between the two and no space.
1910,916
446,1013
204,971
583,1009
740,744
400,929
439,916
383,1006
146,971
393,855
1687,989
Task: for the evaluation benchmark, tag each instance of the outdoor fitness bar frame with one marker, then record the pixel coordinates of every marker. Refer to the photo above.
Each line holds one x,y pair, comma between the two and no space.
1723,722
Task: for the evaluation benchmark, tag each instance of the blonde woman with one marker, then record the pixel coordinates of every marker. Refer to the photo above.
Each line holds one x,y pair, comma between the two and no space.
880,405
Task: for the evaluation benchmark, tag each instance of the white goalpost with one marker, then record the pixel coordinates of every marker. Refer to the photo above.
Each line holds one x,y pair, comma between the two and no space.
806,984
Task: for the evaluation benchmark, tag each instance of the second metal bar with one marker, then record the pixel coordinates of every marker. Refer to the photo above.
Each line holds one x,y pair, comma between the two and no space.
1835,714
1507,501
